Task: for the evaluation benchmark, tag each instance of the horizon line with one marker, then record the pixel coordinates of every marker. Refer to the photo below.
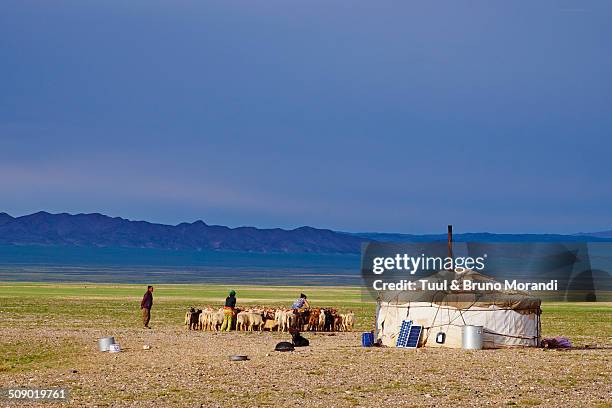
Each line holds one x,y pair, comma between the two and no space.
300,227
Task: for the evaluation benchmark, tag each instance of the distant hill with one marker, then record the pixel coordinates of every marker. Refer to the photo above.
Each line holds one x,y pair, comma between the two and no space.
101,231
97,230
600,234
486,237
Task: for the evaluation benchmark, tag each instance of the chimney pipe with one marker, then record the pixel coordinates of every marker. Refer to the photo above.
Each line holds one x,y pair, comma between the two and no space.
450,241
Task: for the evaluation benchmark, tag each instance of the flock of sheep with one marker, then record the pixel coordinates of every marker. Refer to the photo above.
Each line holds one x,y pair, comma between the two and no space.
259,319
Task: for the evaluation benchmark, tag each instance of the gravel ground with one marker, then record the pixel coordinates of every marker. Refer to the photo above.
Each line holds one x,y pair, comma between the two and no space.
191,369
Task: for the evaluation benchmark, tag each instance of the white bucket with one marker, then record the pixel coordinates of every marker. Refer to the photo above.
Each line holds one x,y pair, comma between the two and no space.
105,342
114,348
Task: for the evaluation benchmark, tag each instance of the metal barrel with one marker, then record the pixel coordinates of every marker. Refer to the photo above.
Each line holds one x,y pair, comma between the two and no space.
472,337
105,342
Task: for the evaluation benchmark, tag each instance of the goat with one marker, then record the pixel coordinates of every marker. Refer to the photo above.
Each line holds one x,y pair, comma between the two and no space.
265,318
194,319
329,321
321,323
285,319
337,323
302,316
290,319
313,320
280,320
348,320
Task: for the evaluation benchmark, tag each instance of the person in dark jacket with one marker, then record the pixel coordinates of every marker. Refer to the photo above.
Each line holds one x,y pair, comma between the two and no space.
228,311
145,305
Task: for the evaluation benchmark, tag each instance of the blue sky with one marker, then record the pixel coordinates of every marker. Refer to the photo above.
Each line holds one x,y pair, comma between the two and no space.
359,116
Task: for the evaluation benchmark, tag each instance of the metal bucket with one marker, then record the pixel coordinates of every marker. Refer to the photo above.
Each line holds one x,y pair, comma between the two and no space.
472,337
105,342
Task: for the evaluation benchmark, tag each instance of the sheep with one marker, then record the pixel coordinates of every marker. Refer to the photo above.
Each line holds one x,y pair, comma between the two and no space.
255,321
207,319
242,321
271,319
270,324
211,319
204,319
216,319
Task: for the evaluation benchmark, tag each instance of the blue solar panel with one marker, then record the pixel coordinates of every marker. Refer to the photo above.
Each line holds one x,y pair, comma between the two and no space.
402,338
414,336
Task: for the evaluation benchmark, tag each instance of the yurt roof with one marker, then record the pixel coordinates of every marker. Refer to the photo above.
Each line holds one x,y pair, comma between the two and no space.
502,299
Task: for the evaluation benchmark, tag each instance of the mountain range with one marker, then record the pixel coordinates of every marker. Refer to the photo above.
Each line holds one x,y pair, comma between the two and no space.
98,230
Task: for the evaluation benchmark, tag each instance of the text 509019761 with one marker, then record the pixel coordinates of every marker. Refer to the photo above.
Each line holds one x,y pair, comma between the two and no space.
29,394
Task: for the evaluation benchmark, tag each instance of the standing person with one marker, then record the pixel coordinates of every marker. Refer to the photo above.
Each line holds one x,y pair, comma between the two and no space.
228,311
145,305
301,302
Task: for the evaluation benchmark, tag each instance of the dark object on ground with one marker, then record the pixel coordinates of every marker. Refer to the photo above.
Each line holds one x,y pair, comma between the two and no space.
284,346
556,342
239,357
297,339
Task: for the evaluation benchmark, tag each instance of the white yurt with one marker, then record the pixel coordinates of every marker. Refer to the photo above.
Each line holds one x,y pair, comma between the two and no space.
509,319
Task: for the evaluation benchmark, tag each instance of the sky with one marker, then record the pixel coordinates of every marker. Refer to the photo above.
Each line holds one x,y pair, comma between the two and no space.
389,116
